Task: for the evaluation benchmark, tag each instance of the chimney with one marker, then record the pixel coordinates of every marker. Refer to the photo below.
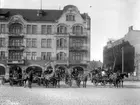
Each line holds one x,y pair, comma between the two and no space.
130,28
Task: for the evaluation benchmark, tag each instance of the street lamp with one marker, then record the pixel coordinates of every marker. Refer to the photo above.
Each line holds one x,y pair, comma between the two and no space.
122,55
122,59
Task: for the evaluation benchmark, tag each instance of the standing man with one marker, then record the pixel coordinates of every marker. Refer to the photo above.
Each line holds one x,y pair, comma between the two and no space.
30,78
25,78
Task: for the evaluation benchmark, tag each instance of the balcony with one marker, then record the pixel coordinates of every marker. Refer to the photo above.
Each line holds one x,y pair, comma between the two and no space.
78,48
79,35
61,34
12,61
78,62
61,61
16,35
62,48
16,47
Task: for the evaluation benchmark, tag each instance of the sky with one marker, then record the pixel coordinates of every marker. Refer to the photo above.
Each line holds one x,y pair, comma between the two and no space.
109,18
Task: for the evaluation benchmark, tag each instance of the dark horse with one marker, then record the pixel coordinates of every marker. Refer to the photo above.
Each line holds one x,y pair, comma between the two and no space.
81,78
120,79
117,79
84,79
54,80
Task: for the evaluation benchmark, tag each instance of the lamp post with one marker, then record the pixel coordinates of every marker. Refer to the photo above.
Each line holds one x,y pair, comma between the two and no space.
122,59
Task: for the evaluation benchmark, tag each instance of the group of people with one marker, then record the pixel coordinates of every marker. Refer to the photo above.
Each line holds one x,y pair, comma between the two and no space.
108,76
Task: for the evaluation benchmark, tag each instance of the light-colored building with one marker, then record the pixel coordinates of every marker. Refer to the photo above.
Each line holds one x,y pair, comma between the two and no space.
30,37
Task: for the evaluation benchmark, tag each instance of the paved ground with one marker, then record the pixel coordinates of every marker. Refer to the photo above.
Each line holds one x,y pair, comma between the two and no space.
129,95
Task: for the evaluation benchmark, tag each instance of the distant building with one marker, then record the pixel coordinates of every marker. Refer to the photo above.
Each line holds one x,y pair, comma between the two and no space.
30,37
94,65
131,44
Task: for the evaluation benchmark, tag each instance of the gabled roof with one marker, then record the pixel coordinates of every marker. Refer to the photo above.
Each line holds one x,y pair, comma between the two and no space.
31,14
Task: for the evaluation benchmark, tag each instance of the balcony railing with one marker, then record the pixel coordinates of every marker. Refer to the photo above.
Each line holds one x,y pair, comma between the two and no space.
13,61
61,34
84,35
16,47
16,34
78,62
78,48
61,61
65,47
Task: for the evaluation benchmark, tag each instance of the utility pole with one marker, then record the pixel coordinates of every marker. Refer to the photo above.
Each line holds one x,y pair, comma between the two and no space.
41,5
0,4
122,59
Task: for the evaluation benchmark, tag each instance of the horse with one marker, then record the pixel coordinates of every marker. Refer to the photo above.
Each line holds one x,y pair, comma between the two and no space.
117,79
78,80
68,79
84,79
120,79
54,80
57,78
30,79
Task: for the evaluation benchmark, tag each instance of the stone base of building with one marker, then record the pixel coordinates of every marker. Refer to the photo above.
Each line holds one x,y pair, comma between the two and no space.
43,65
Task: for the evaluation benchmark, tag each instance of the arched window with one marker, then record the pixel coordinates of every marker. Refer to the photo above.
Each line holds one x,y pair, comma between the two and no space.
61,56
61,43
61,30
15,28
77,30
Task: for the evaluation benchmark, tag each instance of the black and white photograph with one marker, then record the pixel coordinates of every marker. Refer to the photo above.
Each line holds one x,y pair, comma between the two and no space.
69,52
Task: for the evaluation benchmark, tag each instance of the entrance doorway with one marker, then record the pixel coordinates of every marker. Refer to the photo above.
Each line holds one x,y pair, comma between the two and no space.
2,70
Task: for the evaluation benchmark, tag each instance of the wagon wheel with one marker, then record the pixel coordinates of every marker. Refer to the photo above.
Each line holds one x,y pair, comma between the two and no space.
95,82
103,83
11,82
3,81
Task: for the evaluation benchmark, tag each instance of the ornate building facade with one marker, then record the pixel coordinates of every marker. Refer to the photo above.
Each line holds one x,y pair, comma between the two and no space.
42,37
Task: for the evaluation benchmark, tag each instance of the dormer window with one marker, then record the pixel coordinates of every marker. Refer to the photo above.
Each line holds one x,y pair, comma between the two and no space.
70,17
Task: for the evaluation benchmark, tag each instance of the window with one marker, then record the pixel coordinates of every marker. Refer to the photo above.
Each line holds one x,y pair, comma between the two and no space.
70,17
34,29
43,29
43,43
2,28
17,42
61,56
29,30
77,56
34,42
15,28
49,43
28,55
43,55
2,42
28,43
77,30
49,29
49,54
2,55
62,43
33,55
15,55
61,30
78,43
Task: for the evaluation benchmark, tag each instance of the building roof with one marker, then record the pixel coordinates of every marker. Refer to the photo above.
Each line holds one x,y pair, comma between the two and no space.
31,14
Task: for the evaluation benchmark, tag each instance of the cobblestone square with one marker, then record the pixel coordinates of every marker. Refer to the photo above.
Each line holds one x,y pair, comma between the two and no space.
129,95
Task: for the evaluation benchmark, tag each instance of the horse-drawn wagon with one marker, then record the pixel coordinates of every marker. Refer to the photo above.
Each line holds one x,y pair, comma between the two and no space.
15,76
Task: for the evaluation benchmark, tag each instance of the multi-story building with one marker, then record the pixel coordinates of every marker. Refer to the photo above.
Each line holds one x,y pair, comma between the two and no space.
129,55
30,37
